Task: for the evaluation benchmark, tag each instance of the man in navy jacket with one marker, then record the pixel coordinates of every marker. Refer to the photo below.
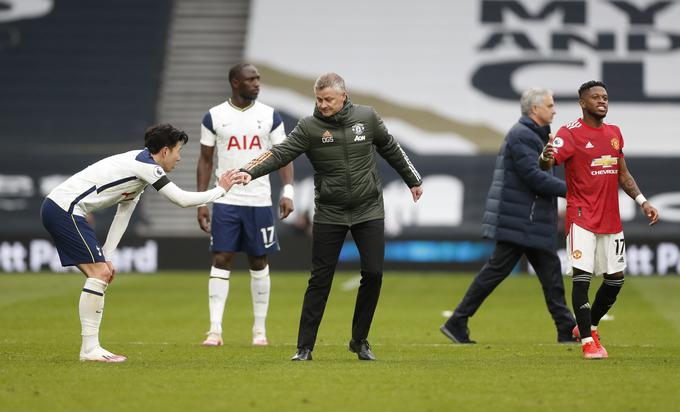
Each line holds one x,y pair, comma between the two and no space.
521,215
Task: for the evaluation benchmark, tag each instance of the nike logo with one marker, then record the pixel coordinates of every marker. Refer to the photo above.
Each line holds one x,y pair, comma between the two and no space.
98,311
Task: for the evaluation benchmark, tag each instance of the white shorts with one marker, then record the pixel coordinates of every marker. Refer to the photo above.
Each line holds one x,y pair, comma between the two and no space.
595,253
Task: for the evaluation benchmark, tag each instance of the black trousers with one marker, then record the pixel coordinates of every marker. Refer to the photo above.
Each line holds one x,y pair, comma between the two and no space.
503,259
327,243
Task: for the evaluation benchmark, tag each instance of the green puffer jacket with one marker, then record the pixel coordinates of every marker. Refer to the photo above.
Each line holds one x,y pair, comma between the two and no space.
347,188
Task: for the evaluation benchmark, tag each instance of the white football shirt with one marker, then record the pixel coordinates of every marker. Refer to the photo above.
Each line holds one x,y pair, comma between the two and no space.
240,136
112,180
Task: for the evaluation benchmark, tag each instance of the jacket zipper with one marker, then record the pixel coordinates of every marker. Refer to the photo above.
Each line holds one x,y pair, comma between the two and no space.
533,206
347,175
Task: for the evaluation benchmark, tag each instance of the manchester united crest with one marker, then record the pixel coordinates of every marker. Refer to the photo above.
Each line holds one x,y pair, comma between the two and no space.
615,144
358,128
577,254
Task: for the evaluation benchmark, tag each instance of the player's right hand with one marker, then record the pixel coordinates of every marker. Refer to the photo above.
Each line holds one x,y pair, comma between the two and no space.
549,150
204,218
228,179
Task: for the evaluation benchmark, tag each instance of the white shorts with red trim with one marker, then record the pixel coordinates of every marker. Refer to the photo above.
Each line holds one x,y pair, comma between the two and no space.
594,252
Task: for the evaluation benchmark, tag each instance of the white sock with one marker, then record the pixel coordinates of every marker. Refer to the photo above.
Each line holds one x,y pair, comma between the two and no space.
593,327
260,285
91,309
218,290
586,340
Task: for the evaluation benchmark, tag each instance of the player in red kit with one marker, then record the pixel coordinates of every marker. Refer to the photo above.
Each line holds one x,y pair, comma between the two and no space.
592,154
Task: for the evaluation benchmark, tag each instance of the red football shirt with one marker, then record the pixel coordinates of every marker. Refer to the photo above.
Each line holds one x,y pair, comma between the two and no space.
591,164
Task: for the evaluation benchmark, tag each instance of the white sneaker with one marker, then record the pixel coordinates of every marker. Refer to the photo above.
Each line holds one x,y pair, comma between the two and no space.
260,338
213,339
100,354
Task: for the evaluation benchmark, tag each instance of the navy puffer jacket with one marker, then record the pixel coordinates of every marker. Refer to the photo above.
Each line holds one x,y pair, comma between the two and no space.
521,206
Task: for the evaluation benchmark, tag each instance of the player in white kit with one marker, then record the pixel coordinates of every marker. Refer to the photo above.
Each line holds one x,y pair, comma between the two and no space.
241,129
116,180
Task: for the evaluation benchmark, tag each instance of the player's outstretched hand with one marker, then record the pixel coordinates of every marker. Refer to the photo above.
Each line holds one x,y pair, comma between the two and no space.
549,149
416,192
286,206
228,179
204,218
651,213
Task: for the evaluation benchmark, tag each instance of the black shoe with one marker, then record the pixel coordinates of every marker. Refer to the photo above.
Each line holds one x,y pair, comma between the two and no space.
457,333
566,336
362,349
302,354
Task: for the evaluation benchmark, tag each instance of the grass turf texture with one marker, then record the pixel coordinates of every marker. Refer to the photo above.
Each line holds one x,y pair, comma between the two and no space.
158,321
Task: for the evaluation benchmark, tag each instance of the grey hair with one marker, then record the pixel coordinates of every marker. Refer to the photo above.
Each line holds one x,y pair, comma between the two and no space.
332,80
531,97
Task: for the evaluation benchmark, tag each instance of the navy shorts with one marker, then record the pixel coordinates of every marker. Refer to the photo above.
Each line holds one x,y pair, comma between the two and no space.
248,229
73,237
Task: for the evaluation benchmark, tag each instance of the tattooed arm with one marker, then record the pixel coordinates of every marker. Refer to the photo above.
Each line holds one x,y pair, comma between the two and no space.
627,183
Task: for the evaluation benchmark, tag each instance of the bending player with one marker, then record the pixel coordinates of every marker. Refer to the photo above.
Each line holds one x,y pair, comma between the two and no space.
115,180
592,153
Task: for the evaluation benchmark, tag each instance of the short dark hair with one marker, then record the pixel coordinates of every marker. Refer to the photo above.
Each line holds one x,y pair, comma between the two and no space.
589,85
236,70
163,135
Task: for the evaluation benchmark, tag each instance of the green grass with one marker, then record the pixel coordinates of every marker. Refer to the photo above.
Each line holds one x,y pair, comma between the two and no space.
158,321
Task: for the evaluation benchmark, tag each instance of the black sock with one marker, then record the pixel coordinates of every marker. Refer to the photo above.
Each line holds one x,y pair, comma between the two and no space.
579,301
605,298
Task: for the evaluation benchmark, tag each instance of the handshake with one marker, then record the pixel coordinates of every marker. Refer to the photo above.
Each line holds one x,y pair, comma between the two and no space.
549,150
234,177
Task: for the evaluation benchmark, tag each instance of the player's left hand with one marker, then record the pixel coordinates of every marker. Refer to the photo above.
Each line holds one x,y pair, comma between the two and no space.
286,206
651,213
416,192
112,269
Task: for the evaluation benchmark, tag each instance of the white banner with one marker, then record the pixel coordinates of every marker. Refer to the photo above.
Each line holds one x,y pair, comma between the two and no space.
453,70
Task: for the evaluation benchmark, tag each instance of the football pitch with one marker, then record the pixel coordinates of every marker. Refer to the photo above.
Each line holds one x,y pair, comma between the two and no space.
159,321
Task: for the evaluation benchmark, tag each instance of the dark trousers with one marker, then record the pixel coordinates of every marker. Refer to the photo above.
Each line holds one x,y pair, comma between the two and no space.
327,243
503,259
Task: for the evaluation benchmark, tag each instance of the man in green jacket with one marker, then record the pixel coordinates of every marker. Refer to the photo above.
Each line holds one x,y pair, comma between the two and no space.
340,140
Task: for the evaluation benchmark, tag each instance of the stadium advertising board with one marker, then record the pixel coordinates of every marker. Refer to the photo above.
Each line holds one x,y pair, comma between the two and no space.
442,232
149,256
